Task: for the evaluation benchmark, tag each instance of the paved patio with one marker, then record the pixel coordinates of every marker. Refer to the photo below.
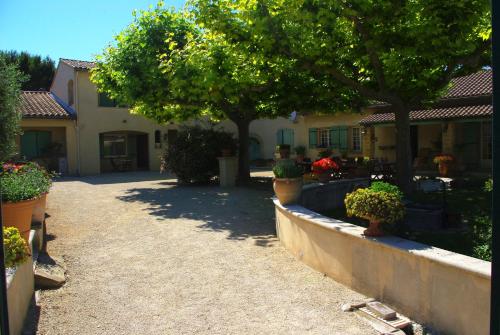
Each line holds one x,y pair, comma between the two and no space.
147,256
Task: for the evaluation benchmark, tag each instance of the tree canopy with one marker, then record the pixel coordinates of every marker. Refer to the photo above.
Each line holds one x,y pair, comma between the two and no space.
39,71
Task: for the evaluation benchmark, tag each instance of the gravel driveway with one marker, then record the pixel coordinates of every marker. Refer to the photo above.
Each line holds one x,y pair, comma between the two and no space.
147,256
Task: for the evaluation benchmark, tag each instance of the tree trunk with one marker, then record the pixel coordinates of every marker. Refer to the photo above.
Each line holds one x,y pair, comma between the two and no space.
243,152
404,171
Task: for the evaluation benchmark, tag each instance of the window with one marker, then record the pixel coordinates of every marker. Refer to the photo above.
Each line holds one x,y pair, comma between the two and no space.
285,136
335,138
356,139
114,145
71,95
105,101
486,140
35,143
323,137
157,139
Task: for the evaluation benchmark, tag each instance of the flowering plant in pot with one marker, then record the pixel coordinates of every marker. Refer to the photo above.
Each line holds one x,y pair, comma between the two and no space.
443,161
324,168
16,248
287,182
376,206
22,185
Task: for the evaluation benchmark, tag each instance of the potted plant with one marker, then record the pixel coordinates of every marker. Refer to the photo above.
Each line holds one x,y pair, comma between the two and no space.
284,150
300,151
38,215
287,182
16,248
443,161
22,184
376,206
324,168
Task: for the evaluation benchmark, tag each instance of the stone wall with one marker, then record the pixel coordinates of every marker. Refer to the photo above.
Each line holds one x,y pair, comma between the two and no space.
445,290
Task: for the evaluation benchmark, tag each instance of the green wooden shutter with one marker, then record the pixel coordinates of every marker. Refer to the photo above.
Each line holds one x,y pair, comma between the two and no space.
288,137
43,140
279,137
343,142
28,144
313,137
334,138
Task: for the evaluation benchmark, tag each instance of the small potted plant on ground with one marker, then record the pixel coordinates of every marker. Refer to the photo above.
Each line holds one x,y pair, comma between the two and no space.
284,150
16,248
378,205
443,161
324,168
22,185
287,182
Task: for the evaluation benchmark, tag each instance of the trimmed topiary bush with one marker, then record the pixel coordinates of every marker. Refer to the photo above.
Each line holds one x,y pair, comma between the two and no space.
193,154
287,169
371,205
16,249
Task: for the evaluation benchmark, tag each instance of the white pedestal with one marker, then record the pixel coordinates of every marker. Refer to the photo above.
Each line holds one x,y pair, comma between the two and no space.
228,169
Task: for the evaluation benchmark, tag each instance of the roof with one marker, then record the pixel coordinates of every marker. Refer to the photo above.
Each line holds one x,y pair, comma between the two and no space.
476,84
79,65
460,112
43,105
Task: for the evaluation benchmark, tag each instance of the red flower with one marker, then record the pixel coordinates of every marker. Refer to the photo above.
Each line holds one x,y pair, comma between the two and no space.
324,165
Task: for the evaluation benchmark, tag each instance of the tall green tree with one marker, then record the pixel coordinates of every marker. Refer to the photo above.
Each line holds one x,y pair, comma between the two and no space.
174,66
10,87
40,71
401,52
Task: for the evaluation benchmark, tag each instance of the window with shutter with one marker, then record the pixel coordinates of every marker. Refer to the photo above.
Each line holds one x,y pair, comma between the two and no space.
313,137
285,136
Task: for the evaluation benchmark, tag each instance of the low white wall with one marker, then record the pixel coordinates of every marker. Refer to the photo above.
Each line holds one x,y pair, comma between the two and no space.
445,290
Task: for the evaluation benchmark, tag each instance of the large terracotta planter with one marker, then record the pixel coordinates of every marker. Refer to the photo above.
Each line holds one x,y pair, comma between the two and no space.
288,190
39,209
444,168
373,229
18,214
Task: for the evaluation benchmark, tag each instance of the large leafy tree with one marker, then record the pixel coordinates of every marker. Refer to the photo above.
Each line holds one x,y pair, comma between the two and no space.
39,71
403,53
10,117
177,66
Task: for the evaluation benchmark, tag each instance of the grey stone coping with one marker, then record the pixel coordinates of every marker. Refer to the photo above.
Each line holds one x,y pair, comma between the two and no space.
445,257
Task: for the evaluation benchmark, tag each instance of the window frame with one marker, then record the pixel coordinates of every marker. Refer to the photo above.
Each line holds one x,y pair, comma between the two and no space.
100,96
359,137
125,140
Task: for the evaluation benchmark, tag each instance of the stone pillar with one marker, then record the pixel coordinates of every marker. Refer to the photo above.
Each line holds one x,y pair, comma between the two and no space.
228,169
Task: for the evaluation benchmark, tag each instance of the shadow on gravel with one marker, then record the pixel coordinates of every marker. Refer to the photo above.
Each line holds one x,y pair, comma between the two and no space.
243,212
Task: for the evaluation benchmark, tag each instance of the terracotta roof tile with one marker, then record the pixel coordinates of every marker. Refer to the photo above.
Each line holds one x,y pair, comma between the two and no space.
43,105
476,84
434,114
78,64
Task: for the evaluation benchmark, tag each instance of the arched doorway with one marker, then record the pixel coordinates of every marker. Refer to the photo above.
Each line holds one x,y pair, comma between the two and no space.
124,151
254,149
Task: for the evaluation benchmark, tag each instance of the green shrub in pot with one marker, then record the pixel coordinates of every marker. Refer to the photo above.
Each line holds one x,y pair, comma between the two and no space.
287,170
375,206
287,182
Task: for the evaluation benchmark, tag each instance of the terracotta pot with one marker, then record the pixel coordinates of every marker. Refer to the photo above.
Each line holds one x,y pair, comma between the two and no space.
373,229
324,177
444,168
39,209
18,214
288,190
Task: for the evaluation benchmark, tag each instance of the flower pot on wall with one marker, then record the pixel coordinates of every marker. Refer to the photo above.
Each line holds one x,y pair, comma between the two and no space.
18,214
373,229
288,190
38,216
444,169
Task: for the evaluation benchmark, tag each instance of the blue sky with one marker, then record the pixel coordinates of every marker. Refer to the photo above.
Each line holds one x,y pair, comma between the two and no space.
66,28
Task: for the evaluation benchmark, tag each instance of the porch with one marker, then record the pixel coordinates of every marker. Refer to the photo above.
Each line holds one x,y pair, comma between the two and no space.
123,151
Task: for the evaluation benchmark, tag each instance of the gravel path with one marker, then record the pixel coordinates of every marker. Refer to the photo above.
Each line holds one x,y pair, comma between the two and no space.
147,256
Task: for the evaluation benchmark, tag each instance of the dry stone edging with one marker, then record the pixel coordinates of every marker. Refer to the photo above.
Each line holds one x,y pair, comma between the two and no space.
50,273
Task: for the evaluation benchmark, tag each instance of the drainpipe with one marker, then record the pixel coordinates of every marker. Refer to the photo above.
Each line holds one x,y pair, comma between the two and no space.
77,127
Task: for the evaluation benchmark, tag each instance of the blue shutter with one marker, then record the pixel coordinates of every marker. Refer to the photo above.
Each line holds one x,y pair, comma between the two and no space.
343,138
288,137
28,145
313,137
279,137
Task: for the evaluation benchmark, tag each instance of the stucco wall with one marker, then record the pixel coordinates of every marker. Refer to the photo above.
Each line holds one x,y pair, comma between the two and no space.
445,290
384,142
59,86
94,120
64,131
